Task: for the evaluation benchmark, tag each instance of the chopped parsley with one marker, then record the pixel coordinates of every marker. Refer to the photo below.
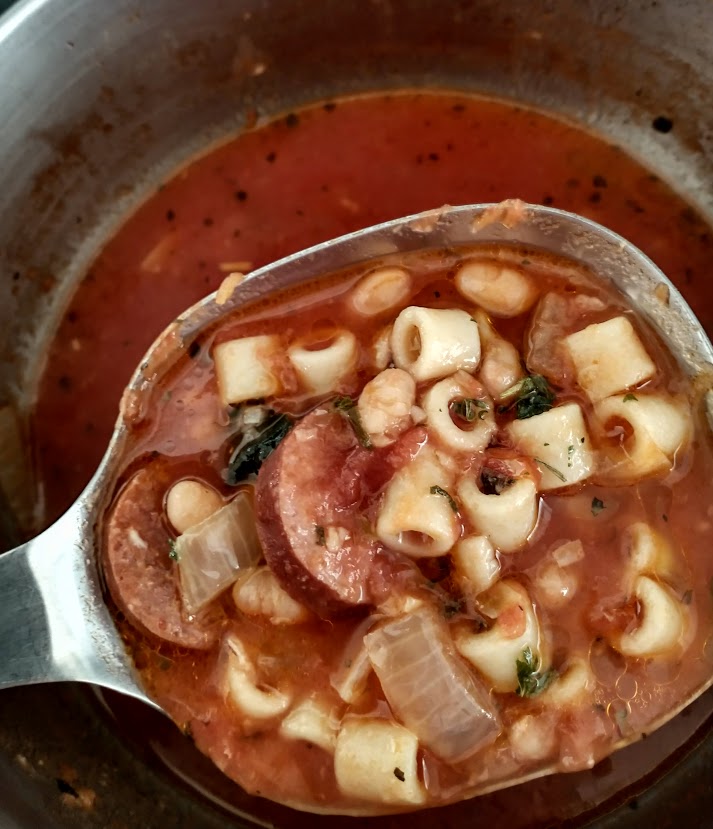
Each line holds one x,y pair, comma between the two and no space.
399,775
469,408
530,681
172,551
438,490
597,506
629,397
348,408
319,535
247,458
570,454
554,471
531,396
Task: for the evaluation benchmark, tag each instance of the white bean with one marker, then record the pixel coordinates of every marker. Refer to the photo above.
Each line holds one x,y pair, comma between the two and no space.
385,405
189,502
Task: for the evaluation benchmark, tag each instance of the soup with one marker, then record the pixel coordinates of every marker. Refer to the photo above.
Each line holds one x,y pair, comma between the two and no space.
416,531
281,187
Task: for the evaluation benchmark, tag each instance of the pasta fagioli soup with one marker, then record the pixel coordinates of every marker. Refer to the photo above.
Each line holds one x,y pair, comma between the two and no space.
417,530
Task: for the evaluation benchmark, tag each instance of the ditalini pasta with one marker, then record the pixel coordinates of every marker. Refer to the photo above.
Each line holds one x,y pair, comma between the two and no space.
415,531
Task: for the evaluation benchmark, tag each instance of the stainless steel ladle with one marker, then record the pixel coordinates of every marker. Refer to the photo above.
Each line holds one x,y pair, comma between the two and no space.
54,623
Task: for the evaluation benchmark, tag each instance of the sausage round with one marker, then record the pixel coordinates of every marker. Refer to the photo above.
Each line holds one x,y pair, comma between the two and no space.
312,495
139,572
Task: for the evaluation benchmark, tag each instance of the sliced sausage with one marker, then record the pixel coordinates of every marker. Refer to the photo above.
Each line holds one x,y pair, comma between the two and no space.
311,497
139,572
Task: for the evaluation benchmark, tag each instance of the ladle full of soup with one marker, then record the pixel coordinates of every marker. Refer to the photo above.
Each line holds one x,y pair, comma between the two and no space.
411,516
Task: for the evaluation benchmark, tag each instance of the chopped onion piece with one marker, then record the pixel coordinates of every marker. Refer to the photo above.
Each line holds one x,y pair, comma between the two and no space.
211,554
429,689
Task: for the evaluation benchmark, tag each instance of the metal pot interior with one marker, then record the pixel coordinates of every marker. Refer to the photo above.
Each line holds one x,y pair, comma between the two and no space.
116,95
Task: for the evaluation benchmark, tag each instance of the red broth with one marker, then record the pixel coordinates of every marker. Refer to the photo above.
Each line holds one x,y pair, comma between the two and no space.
188,432
282,187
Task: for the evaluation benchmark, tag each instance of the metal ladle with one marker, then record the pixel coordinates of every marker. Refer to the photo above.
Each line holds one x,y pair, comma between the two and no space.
54,622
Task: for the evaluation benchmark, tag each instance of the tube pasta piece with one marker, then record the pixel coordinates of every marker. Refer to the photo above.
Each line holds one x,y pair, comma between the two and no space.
189,502
662,624
381,290
322,368
470,434
501,364
417,516
385,405
240,685
609,358
559,442
313,721
476,563
495,652
506,519
503,290
259,593
431,343
572,687
659,426
380,349
244,368
377,760
533,737
649,553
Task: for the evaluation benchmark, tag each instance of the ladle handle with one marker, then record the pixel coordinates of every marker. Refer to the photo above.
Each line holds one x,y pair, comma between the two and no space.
53,621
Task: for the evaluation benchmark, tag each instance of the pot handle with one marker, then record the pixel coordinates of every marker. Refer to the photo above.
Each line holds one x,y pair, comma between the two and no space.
54,624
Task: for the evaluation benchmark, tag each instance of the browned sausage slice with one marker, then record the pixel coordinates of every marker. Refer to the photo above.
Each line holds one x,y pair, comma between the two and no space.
138,569
310,497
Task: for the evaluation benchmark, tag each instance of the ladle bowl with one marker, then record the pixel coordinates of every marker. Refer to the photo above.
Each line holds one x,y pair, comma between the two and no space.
55,624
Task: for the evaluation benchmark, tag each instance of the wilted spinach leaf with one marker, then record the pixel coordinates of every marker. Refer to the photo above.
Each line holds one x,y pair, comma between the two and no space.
247,458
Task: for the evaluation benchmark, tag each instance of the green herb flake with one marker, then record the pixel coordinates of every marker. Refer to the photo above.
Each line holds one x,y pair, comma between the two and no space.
399,775
531,396
172,551
597,506
247,458
529,679
629,397
438,490
554,471
570,454
469,408
319,535
348,408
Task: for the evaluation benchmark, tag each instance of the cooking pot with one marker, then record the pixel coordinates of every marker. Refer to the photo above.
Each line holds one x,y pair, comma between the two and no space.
101,100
